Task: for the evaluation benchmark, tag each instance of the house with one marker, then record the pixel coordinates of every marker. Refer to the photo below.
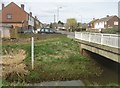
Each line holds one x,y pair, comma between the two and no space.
84,26
107,22
91,25
37,23
45,25
53,25
16,16
61,26
58,26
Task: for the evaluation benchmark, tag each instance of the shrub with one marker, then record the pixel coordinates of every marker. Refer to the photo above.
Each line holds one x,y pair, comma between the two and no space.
111,30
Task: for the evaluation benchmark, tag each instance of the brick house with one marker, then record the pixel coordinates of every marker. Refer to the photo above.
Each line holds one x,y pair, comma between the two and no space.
16,16
107,22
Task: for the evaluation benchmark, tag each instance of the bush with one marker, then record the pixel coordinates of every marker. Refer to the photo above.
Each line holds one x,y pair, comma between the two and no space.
111,30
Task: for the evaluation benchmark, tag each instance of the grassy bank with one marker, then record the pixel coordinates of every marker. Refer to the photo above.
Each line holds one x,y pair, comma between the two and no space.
56,58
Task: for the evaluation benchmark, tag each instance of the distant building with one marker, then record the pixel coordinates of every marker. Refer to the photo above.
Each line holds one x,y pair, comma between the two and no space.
37,24
84,25
16,16
46,25
107,22
53,25
61,26
91,25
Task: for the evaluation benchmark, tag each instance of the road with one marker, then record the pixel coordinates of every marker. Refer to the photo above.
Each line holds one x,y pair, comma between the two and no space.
69,34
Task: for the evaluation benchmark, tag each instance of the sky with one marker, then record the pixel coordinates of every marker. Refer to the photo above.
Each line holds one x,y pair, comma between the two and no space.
82,10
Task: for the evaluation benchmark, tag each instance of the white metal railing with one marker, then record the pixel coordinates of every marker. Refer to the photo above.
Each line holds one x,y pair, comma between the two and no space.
112,40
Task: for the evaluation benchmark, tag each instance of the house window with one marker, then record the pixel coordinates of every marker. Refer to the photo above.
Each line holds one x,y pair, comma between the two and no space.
9,16
115,23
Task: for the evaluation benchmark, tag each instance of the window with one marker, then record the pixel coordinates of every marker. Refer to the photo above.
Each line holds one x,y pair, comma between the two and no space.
46,30
115,23
9,16
42,30
51,31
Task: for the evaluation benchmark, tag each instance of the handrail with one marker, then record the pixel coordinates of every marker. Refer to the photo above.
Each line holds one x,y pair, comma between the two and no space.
112,40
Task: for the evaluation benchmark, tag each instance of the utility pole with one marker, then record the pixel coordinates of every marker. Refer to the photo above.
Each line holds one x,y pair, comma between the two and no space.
54,18
58,13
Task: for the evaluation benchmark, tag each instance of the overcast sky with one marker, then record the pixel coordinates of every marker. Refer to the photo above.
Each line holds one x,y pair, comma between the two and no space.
82,10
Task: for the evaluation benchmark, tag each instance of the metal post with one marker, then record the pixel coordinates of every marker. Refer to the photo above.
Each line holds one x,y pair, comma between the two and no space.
32,53
58,13
54,18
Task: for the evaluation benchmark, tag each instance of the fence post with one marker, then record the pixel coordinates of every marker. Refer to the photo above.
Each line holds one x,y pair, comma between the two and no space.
89,37
81,36
102,39
32,53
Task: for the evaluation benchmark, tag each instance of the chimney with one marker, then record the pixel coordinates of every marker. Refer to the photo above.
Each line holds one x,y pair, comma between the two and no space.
22,6
30,13
35,17
2,5
93,18
107,15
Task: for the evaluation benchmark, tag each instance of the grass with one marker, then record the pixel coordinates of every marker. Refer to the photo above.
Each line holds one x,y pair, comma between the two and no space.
0,82
56,58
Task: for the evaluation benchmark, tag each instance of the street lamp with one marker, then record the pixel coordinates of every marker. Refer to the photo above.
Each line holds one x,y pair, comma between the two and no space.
81,18
58,13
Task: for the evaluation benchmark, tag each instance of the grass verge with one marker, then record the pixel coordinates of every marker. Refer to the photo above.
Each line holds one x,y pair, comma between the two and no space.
55,59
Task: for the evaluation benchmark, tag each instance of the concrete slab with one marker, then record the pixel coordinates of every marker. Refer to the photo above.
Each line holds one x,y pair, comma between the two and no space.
60,83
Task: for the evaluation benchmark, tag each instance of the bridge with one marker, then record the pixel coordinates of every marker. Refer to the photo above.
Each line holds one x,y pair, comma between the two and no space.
107,45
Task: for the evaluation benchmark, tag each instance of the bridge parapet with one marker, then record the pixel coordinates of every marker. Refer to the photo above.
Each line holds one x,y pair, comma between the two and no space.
112,40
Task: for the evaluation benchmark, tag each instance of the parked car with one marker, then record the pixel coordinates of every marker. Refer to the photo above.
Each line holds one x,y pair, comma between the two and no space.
36,31
26,31
48,31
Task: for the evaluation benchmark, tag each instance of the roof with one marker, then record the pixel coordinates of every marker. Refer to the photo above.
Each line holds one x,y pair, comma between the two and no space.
94,20
19,8
16,5
105,19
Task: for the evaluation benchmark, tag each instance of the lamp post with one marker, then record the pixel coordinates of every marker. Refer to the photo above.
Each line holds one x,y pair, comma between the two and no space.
81,20
54,18
58,13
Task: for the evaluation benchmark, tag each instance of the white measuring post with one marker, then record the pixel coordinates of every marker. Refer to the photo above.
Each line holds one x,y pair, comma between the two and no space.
32,52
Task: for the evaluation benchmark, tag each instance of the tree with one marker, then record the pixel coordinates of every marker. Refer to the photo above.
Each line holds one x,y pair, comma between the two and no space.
72,23
51,25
